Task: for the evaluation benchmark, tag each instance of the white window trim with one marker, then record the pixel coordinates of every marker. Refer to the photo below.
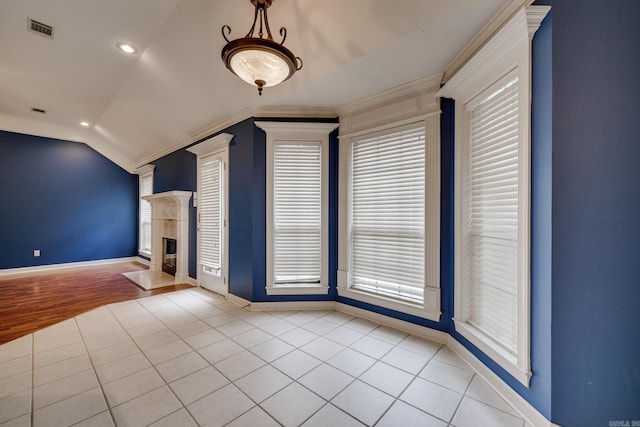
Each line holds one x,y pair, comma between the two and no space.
143,172
299,132
430,308
217,145
508,50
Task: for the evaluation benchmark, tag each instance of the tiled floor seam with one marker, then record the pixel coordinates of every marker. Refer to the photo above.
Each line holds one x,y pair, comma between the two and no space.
165,383
95,372
453,416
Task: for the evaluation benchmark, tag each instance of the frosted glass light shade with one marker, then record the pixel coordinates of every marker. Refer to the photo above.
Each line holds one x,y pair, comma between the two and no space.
253,65
260,62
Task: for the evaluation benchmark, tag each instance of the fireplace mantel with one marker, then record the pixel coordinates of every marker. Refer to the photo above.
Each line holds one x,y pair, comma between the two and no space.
169,205
170,218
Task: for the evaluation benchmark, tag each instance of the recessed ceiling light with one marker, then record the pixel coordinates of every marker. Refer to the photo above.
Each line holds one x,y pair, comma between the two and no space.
127,48
85,124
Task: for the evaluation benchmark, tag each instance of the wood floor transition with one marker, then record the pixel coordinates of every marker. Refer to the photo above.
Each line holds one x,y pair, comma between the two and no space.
29,302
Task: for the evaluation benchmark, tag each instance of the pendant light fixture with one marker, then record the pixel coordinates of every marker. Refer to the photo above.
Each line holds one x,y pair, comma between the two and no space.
260,61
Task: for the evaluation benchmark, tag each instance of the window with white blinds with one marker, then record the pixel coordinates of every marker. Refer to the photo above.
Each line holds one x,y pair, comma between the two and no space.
491,213
492,94
297,213
297,202
387,212
146,189
211,209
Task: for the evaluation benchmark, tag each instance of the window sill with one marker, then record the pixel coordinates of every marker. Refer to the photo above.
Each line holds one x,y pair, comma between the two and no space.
145,253
502,357
300,289
427,311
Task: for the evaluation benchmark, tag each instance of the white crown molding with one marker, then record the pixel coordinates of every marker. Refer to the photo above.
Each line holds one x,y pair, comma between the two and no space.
238,117
488,31
145,170
52,267
218,142
293,112
295,128
501,52
401,105
426,84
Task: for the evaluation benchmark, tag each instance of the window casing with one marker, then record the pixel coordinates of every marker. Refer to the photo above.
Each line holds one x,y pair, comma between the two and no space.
492,195
297,207
391,238
144,217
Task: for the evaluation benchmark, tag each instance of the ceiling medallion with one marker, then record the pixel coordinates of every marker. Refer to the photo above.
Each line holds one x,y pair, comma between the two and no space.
258,60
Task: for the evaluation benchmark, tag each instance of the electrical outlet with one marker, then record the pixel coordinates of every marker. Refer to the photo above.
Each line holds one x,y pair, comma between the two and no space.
36,252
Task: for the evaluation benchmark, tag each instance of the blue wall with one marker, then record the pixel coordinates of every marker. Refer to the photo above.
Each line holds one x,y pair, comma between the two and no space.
596,212
539,395
65,199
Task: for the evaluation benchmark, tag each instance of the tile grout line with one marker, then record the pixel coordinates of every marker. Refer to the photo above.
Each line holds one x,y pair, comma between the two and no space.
84,344
396,399
151,363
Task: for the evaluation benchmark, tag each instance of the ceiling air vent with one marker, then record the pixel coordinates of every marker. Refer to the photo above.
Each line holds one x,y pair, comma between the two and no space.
39,28
38,110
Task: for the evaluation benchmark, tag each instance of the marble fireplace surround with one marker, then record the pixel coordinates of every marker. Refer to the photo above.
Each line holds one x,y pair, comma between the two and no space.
170,219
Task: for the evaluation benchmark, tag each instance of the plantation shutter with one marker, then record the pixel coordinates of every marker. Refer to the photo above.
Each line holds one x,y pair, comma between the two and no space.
146,189
297,213
211,209
388,213
492,214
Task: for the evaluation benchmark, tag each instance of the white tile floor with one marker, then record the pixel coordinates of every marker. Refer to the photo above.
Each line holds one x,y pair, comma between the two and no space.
191,358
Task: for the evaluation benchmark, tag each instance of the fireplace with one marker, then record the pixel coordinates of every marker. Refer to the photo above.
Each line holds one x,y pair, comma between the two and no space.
169,255
170,234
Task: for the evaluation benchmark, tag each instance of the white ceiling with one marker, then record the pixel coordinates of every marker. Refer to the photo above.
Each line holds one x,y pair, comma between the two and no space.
176,87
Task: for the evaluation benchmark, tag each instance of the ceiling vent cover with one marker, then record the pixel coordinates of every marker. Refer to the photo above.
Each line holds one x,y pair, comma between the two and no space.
39,28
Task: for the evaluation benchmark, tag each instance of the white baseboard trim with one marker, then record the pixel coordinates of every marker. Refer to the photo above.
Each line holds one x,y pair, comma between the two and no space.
143,261
292,305
191,281
412,328
239,301
64,266
531,414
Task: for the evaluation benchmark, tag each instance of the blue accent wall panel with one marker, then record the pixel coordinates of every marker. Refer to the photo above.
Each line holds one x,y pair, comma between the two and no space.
178,172
596,212
65,199
539,393
447,133
241,228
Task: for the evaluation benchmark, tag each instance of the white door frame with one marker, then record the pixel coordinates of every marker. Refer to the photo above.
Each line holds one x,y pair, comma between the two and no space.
218,146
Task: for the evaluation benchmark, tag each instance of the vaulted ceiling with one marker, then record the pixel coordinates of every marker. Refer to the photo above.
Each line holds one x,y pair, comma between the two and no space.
176,88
